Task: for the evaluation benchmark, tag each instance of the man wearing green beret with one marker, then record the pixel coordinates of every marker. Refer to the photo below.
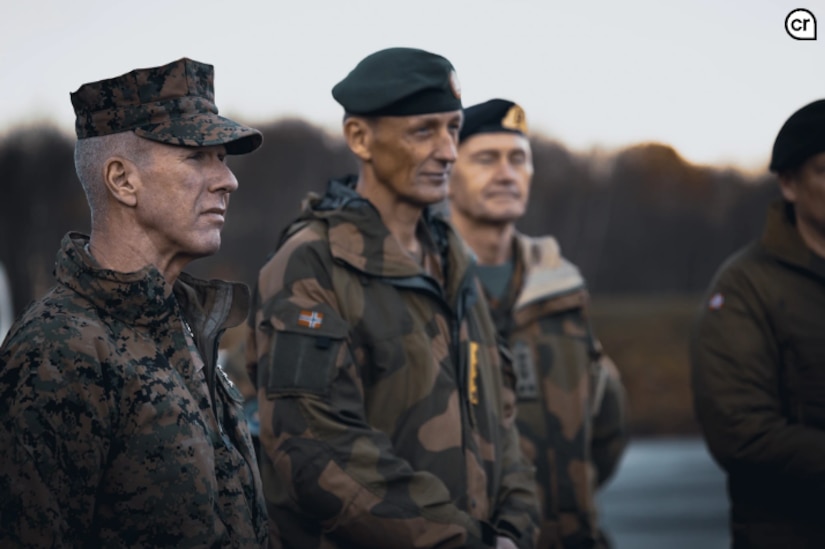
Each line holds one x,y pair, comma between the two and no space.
758,356
116,427
570,399
383,422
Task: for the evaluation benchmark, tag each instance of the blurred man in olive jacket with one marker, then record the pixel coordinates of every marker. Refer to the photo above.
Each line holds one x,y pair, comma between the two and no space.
570,400
758,356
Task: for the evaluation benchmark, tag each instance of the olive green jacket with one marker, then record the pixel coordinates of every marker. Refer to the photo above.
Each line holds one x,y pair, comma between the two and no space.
380,394
570,399
758,361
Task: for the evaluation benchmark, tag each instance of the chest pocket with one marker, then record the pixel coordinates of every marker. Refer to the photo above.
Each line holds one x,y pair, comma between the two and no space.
305,348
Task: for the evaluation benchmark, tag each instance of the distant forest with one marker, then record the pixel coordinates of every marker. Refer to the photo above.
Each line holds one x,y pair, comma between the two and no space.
638,221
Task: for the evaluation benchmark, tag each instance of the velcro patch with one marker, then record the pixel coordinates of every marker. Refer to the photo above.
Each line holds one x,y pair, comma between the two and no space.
527,386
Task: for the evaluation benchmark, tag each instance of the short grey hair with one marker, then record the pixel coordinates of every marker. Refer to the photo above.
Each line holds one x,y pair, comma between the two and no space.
91,154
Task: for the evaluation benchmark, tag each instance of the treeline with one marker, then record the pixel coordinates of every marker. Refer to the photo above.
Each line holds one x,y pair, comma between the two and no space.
640,221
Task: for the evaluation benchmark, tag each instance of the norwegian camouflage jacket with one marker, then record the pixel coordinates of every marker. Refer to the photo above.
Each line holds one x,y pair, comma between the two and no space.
113,431
570,399
380,392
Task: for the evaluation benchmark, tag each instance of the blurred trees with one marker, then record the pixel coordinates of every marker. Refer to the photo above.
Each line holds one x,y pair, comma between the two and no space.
640,221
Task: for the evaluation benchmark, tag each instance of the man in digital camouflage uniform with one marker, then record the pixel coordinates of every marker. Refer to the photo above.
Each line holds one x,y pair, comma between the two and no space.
570,400
758,356
116,429
382,415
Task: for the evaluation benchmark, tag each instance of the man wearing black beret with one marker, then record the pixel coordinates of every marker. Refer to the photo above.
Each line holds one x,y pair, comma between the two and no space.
758,355
383,422
570,400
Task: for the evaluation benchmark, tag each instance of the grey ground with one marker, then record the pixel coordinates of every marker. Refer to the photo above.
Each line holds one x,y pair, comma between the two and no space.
667,494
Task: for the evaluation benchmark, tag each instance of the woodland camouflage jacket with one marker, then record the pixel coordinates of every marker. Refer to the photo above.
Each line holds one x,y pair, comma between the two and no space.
381,392
570,399
113,432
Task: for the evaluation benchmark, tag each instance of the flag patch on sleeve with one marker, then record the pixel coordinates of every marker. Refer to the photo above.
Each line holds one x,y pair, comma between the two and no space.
310,319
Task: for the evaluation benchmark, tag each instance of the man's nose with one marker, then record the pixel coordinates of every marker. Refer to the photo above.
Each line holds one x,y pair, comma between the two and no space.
447,150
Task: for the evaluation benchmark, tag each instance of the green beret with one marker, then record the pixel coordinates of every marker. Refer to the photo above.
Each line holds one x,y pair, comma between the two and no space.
493,116
399,82
172,104
801,137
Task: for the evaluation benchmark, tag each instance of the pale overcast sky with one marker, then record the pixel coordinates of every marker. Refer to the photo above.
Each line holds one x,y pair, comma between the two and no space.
714,79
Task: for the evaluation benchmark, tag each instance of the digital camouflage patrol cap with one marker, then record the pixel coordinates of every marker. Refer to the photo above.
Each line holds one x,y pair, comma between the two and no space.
801,137
400,82
172,104
493,116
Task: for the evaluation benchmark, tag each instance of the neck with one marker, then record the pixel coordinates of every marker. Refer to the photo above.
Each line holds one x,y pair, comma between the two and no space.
400,217
813,238
115,247
490,242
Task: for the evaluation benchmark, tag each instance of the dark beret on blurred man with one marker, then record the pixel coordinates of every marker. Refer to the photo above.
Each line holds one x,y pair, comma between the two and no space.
493,116
801,136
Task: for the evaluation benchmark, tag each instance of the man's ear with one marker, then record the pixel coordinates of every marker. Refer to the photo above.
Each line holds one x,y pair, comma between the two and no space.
788,185
359,134
122,179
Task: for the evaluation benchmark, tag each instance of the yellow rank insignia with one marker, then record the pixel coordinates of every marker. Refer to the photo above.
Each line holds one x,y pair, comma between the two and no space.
473,388
515,119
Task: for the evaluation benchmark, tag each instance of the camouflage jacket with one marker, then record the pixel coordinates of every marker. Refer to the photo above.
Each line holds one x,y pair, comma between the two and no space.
112,432
758,373
570,399
380,392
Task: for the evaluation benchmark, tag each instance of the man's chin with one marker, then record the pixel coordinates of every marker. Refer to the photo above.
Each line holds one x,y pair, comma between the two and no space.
500,218
204,248
423,200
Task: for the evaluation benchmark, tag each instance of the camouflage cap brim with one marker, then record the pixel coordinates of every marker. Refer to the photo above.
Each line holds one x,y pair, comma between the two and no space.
203,130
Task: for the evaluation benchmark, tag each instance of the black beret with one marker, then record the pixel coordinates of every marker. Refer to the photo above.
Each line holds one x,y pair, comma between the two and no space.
495,115
399,82
801,137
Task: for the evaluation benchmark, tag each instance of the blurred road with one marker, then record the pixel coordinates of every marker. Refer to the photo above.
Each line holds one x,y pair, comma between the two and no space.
668,493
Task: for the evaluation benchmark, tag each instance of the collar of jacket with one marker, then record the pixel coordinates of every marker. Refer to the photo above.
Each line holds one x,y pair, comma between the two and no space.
358,237
141,298
547,275
782,240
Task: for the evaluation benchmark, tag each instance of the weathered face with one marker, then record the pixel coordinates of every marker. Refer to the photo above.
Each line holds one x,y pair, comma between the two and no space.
490,182
412,155
183,197
805,188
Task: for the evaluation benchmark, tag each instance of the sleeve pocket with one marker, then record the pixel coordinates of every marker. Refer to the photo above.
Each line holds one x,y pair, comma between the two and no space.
305,349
